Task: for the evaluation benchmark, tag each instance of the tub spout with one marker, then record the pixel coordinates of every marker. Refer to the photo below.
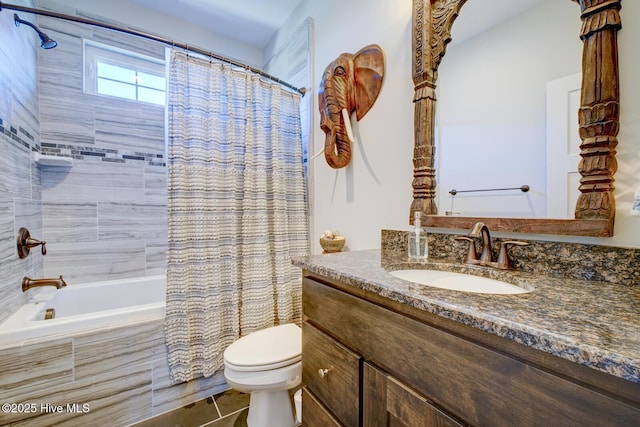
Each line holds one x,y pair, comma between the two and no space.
28,283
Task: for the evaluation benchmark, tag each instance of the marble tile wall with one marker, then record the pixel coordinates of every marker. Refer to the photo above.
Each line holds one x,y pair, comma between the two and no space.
20,196
116,377
105,217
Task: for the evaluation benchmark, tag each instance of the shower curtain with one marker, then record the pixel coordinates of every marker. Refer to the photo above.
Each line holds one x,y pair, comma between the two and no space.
237,210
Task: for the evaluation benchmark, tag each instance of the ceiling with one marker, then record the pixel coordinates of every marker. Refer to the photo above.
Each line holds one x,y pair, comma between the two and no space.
256,21
250,21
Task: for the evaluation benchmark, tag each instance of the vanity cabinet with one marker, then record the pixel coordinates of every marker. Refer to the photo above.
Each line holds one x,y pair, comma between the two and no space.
369,361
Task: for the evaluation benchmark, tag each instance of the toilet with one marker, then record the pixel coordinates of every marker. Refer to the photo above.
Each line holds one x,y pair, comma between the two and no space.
267,364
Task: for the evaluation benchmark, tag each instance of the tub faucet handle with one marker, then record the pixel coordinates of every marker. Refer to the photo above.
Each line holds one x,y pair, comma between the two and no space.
25,242
32,243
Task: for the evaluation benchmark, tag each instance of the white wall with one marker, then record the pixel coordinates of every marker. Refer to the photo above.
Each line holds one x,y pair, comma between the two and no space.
142,18
374,191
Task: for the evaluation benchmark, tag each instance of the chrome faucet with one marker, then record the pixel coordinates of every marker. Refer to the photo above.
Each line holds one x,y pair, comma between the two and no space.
28,283
480,229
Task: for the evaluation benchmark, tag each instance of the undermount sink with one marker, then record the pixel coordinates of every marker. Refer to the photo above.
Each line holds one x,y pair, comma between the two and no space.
458,282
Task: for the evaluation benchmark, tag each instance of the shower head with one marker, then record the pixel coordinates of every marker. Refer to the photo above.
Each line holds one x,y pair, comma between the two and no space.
45,41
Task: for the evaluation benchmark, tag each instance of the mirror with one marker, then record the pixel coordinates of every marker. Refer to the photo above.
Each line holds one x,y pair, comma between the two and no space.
598,119
491,118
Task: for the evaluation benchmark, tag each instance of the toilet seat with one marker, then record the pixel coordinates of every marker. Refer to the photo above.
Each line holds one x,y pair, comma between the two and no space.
270,348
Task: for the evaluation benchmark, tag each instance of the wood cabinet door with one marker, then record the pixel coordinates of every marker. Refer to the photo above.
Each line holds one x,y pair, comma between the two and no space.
332,373
314,414
389,403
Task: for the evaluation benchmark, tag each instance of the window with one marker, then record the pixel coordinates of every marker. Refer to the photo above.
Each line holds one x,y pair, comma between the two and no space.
112,71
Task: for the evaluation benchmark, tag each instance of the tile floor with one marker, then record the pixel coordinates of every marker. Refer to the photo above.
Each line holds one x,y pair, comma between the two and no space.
227,409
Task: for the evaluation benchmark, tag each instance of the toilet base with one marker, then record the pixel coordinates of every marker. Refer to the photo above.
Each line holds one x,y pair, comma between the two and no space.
270,409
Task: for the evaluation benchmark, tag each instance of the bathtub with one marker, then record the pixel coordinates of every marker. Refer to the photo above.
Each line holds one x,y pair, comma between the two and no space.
87,306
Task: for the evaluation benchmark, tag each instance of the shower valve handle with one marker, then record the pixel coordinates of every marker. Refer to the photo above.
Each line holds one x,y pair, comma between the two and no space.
25,242
32,243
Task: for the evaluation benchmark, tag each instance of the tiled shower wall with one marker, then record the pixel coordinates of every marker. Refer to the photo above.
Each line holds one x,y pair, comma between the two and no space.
104,217
20,198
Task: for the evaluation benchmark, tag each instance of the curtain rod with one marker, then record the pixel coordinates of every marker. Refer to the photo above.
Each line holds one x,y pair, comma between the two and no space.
149,36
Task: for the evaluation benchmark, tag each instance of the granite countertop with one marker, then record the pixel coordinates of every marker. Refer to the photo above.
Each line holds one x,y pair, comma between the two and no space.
596,324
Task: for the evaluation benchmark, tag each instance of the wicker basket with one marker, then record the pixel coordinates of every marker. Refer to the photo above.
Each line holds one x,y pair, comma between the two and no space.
332,245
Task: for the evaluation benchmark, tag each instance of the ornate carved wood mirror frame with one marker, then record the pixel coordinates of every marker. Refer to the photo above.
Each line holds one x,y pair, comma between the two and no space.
597,120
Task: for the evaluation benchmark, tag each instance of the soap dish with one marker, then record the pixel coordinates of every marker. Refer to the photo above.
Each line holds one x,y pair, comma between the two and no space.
48,160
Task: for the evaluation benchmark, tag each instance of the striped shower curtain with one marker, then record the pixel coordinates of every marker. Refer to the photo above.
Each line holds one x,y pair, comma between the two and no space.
237,210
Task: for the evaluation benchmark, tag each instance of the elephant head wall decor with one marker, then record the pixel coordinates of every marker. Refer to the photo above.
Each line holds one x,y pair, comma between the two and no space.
351,82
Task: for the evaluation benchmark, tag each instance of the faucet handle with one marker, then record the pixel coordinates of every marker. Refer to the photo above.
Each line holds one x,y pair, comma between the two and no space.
472,254
25,242
503,262
32,243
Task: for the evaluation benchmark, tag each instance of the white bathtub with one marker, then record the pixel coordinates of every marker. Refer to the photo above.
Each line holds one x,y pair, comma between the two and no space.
81,307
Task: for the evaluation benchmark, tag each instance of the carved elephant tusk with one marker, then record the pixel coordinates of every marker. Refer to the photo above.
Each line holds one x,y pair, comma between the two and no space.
317,154
347,125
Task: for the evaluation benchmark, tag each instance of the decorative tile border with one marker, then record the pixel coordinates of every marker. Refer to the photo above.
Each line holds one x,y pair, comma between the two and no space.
24,140
16,136
102,154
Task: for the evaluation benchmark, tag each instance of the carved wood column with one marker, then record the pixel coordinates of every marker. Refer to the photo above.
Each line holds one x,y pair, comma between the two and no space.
599,108
431,31
424,174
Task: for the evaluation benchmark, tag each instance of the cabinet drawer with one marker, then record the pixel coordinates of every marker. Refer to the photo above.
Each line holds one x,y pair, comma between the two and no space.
331,372
314,414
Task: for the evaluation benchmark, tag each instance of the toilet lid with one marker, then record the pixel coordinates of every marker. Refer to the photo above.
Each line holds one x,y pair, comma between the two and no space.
268,348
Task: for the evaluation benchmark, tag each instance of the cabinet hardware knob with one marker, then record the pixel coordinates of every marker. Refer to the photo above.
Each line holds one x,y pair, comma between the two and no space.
323,372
